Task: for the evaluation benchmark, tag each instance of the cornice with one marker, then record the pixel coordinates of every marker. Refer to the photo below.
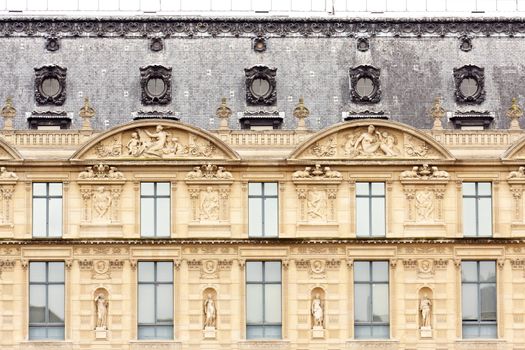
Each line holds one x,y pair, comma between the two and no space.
179,26
259,242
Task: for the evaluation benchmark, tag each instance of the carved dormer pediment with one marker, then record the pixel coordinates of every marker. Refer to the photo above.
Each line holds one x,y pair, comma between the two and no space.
155,139
365,140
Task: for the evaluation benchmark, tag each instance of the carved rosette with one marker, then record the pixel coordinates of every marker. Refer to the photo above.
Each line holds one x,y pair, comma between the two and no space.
317,188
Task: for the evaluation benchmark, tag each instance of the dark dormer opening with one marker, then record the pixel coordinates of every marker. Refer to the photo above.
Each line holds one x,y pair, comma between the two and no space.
155,82
261,86
50,85
364,84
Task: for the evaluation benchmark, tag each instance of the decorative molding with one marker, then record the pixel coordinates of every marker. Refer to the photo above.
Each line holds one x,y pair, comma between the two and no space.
363,44
259,44
265,73
52,43
209,172
470,72
465,43
101,171
424,172
365,71
156,44
54,72
155,72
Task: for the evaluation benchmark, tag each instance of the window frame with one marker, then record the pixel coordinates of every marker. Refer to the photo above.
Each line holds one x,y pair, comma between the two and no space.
371,216
155,198
155,283
479,322
263,283
477,196
263,197
46,325
48,197
370,283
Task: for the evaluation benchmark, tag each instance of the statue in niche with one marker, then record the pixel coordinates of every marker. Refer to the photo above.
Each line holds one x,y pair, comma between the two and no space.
425,307
373,142
424,205
316,204
317,312
101,201
210,312
210,205
102,304
4,174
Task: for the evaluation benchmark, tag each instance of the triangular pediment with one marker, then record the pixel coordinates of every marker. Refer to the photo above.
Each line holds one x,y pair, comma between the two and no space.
8,152
371,140
153,140
516,151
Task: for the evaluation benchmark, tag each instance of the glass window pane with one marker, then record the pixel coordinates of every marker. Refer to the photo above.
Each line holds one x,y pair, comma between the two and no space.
470,331
270,189
469,271
469,301
378,217
381,332
39,217
164,303
469,188
254,332
363,332
362,217
488,331
146,332
487,293
163,217
255,217
254,303
487,271
362,304
484,189
485,216
147,188
254,271
272,303
272,332
55,332
37,303
469,216
361,271
39,189
146,271
146,303
378,188
163,188
55,189
55,217
164,271
255,189
164,332
271,217
147,217
380,302
37,333
272,271
55,272
37,271
380,271
362,188
55,303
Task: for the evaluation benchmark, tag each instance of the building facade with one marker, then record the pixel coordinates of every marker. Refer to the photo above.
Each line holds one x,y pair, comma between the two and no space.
369,214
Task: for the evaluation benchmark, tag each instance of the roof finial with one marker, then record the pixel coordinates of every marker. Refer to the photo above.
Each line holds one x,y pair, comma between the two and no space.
223,113
301,113
514,113
437,112
8,113
86,113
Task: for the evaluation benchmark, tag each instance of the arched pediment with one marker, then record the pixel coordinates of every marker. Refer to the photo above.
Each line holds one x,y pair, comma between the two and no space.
155,139
8,152
370,140
516,151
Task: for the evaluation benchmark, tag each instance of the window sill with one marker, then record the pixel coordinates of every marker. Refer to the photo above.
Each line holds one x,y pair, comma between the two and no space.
367,344
480,344
46,344
155,344
262,344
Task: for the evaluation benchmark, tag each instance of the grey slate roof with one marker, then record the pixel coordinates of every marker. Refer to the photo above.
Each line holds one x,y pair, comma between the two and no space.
312,57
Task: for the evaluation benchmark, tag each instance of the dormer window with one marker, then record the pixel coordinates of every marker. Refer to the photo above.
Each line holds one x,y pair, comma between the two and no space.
261,86
364,84
50,85
470,84
155,82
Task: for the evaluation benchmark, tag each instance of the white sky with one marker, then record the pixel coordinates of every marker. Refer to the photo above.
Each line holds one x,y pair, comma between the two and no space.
264,7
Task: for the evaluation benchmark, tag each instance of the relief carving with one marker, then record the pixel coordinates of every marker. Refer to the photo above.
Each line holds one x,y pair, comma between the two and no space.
317,172
209,171
371,143
101,172
424,205
101,203
424,172
209,205
6,203
517,174
7,175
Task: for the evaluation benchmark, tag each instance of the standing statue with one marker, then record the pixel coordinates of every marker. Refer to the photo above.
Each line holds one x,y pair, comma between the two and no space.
210,312
425,307
317,311
101,305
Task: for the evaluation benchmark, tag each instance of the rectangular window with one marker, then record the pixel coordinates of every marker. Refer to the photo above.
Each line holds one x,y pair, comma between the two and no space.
477,209
263,204
46,300
47,209
371,301
478,299
263,300
370,209
155,209
155,300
